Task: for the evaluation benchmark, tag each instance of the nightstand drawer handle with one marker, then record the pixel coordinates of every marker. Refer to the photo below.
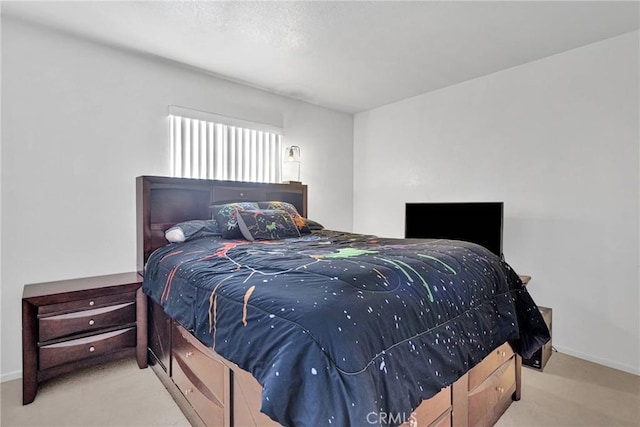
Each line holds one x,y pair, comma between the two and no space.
91,322
502,353
188,354
91,303
500,389
92,349
188,391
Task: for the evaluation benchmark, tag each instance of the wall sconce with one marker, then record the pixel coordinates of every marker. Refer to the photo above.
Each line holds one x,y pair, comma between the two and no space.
291,164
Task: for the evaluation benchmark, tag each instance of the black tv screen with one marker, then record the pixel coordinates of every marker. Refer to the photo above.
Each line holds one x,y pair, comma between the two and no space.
477,222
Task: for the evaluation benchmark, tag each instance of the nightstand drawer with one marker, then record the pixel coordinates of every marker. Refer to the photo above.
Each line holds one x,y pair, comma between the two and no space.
87,304
83,348
86,321
490,363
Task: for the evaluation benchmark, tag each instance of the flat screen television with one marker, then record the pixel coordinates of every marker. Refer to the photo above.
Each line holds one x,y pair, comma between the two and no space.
477,222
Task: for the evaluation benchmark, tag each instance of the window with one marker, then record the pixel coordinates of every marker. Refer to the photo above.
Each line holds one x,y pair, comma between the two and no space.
209,146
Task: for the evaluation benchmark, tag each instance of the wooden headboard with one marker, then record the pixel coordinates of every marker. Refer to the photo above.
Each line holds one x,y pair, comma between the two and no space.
162,202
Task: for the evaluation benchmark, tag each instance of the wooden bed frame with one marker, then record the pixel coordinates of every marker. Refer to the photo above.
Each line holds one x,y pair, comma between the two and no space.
212,391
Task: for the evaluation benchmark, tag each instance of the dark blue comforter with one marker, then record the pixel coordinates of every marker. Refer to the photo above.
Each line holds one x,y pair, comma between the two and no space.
338,326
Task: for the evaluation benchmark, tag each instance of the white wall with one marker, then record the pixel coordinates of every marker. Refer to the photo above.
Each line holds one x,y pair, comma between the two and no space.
557,140
80,121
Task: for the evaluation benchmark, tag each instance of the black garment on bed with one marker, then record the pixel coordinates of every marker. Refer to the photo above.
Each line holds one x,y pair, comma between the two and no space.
339,326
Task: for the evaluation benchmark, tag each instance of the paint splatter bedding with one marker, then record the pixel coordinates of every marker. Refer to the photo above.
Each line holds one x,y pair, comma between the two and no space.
336,326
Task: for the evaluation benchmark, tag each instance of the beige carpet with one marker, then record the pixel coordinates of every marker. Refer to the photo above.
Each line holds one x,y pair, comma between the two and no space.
570,392
116,394
574,392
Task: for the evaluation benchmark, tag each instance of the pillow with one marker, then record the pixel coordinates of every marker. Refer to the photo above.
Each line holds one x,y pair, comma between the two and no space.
226,216
188,230
314,226
299,220
267,224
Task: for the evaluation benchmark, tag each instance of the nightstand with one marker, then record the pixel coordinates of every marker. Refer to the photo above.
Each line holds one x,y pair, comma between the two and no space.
71,324
540,358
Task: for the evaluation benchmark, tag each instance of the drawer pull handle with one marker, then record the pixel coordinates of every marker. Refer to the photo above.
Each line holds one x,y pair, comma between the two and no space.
91,303
241,194
502,353
188,354
500,389
188,391
92,349
92,322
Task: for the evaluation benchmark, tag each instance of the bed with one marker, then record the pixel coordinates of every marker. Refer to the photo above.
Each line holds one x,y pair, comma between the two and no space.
324,328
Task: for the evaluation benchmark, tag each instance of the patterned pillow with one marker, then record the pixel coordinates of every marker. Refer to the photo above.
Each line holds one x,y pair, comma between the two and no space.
226,215
267,224
300,221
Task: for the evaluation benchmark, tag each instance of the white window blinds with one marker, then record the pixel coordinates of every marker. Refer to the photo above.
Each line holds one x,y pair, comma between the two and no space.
208,146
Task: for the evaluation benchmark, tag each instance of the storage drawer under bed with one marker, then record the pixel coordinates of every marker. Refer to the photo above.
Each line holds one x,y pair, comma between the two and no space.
204,381
433,412
489,364
491,398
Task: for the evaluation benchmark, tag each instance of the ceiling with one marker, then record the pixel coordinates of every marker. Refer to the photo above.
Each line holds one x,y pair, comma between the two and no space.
348,56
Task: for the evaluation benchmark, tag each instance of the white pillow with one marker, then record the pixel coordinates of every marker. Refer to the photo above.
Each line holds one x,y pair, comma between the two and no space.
174,235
